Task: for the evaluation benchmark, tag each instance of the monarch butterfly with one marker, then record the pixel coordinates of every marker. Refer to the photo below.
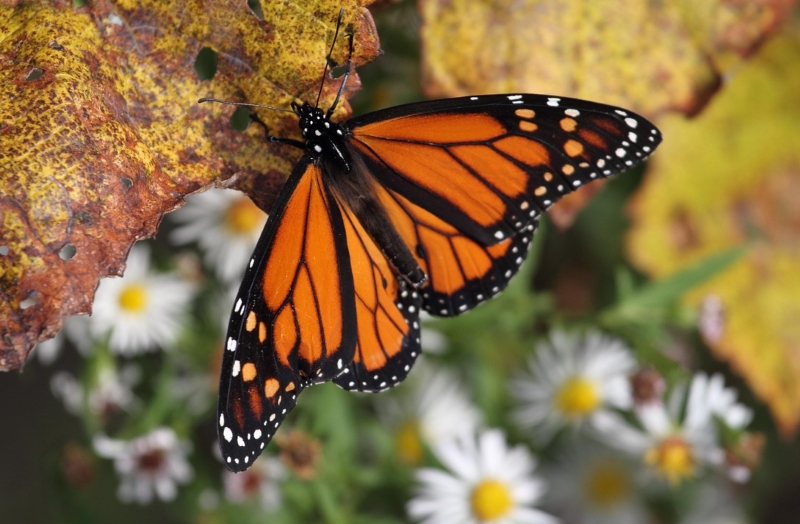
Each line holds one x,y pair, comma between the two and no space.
427,206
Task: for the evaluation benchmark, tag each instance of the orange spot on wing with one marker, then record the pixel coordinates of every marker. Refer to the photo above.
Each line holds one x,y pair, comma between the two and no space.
525,113
271,386
568,124
262,332
528,127
573,148
250,324
248,372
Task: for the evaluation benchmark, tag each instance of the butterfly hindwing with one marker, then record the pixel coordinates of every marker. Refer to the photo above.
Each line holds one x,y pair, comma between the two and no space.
387,310
467,179
461,272
293,322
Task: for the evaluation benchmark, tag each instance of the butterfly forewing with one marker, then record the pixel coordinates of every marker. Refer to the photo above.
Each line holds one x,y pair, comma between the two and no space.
293,322
467,178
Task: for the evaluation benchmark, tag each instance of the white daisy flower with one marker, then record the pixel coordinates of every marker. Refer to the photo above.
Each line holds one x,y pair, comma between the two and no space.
435,407
679,438
111,391
486,483
261,481
226,224
570,380
152,464
143,309
593,484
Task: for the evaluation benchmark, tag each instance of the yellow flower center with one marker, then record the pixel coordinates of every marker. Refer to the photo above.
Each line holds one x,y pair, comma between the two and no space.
243,216
409,446
577,397
491,499
133,298
607,484
673,458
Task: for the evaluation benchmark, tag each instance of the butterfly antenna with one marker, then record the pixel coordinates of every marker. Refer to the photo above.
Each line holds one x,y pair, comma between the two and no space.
344,79
245,104
328,57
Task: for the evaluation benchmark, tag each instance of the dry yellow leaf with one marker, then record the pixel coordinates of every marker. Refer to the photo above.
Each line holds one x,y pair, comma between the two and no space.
729,176
648,56
101,133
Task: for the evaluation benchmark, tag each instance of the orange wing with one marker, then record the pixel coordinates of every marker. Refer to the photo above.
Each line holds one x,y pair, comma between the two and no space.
293,322
466,179
388,316
461,271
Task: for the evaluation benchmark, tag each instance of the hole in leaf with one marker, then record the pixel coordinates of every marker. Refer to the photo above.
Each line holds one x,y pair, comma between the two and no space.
30,300
205,65
67,252
255,7
127,182
3,251
34,74
240,119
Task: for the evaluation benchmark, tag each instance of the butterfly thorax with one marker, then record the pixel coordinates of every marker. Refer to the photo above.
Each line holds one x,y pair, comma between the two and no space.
324,139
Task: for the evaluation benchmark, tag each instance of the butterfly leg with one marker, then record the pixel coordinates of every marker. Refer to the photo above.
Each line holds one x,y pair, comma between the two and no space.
255,118
270,138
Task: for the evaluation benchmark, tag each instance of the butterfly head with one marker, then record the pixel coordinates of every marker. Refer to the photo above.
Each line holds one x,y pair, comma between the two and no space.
324,139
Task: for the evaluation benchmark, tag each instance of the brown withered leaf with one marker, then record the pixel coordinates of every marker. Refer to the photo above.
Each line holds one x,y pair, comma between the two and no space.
101,133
